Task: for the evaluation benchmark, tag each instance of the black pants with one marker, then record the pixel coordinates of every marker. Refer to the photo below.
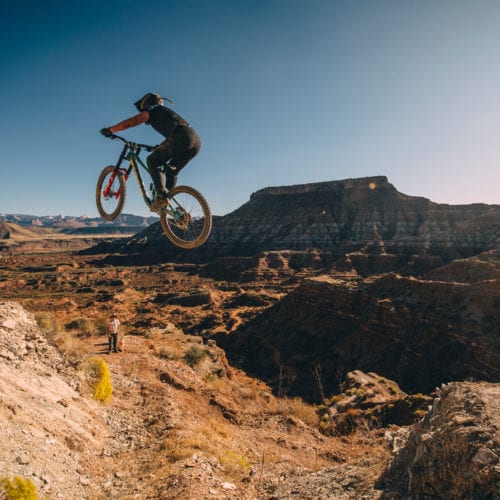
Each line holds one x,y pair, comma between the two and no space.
112,339
178,149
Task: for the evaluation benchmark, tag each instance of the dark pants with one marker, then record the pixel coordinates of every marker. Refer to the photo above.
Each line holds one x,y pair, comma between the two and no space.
112,339
178,149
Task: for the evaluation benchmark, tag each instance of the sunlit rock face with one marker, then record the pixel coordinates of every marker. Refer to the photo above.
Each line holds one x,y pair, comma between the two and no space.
454,451
354,214
365,222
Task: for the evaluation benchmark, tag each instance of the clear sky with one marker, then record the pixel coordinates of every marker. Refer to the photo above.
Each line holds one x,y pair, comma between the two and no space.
281,92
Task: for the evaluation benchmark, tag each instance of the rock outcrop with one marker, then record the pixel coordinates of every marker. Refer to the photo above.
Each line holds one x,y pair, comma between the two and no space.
368,400
454,451
420,333
48,431
367,220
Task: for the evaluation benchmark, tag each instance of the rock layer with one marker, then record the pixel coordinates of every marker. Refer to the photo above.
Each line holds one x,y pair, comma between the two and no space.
417,332
381,228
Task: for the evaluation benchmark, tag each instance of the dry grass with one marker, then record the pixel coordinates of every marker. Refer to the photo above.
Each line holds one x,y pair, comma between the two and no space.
304,411
235,465
47,322
72,347
214,429
177,447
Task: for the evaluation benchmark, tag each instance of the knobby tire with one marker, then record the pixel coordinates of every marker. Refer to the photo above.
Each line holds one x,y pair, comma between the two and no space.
110,212
194,236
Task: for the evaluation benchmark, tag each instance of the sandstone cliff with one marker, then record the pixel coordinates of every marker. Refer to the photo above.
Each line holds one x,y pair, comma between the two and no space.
379,228
420,333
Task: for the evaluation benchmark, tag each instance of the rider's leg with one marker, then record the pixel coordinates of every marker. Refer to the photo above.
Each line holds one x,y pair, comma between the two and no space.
185,146
154,161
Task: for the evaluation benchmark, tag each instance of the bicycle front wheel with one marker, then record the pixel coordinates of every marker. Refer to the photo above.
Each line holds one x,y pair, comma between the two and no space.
110,193
186,220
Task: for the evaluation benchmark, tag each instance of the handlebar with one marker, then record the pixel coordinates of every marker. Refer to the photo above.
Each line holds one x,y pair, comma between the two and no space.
133,145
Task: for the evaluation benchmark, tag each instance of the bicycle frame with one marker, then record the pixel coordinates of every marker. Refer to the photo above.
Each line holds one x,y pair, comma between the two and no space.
130,152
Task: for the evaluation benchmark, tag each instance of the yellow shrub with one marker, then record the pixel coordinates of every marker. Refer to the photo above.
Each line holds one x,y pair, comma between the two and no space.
234,464
98,373
17,489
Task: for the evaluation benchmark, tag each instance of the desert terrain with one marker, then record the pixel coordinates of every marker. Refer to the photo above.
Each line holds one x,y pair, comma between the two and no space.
368,369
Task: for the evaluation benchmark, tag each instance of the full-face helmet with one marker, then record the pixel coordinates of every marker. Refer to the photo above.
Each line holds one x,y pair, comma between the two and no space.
147,101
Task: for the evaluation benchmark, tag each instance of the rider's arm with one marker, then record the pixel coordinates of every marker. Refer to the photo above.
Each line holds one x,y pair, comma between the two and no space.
130,122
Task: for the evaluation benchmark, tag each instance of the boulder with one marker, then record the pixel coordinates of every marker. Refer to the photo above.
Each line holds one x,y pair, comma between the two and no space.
454,451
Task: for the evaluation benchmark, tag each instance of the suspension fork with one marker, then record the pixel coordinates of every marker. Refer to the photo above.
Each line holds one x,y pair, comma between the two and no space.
115,172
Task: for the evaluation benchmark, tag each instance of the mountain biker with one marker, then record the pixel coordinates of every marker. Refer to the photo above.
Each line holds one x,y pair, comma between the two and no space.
181,142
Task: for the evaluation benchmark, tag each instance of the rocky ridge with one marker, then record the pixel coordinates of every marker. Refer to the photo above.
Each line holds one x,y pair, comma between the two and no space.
419,332
365,221
48,431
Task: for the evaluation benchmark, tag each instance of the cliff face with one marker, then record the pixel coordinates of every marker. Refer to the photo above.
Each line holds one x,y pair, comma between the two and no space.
344,216
375,227
420,333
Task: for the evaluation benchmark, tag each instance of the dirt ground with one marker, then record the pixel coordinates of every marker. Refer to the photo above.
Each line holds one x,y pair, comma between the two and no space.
175,427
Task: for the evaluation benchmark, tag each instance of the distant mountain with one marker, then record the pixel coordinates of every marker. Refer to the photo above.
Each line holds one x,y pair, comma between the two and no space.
125,223
9,231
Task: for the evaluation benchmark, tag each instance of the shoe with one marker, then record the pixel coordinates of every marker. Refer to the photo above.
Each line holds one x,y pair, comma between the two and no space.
157,204
116,350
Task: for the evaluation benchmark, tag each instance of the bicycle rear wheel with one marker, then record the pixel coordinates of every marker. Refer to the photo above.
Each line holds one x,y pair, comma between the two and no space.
110,193
186,220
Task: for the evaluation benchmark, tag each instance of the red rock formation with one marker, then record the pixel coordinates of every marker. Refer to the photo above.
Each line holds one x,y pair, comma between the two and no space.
419,333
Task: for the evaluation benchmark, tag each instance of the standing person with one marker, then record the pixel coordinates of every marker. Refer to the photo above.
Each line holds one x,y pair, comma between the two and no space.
181,142
113,327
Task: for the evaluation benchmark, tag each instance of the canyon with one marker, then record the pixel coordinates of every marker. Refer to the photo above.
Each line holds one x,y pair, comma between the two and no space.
366,305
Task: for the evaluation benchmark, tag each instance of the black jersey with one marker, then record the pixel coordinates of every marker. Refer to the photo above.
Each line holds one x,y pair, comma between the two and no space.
165,121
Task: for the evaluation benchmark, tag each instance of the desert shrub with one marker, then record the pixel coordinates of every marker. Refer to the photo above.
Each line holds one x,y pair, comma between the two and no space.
17,489
101,325
168,353
97,373
194,355
234,464
84,326
74,349
46,322
419,413
306,412
215,382
179,447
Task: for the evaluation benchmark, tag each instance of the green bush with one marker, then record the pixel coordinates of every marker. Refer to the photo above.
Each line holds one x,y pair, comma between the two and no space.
194,355
18,489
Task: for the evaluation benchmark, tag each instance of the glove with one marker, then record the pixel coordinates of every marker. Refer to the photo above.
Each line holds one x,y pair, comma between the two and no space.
106,132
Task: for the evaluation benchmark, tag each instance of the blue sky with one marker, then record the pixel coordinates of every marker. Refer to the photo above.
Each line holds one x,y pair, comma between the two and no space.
281,92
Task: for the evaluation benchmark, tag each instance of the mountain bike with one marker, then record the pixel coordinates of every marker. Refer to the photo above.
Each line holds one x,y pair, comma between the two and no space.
185,217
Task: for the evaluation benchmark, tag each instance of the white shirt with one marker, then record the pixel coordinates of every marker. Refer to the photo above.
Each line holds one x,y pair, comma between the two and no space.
113,325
